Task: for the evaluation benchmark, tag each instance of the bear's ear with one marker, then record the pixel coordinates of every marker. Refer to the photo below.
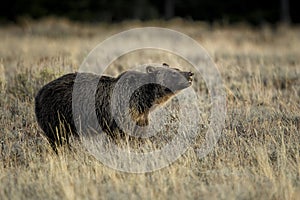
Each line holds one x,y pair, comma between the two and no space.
165,65
150,69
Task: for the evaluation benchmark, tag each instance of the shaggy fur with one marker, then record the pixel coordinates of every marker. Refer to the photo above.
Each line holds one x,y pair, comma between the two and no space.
53,103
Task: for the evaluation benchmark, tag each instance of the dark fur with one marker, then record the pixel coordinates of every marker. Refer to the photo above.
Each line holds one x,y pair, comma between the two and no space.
53,103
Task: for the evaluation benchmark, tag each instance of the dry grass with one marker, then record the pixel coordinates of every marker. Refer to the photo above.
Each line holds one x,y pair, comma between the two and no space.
257,157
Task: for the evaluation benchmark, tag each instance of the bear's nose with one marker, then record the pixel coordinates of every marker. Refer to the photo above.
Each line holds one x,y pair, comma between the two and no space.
191,73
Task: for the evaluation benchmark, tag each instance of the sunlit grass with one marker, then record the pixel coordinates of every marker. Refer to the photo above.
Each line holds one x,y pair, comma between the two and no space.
257,156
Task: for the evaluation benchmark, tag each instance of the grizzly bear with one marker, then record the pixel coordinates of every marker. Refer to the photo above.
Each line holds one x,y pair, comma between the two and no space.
53,103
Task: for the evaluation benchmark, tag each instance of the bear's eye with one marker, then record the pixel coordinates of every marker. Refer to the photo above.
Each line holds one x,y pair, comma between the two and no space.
174,74
150,69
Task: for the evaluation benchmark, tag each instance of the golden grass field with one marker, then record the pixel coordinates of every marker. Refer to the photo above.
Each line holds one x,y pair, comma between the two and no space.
257,156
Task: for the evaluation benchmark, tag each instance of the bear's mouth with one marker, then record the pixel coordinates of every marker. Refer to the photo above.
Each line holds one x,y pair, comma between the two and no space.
190,77
186,80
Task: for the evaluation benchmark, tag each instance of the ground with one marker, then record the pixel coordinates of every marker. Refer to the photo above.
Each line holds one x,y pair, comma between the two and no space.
257,156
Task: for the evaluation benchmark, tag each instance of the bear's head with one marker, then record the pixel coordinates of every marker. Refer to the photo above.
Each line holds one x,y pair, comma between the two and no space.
171,79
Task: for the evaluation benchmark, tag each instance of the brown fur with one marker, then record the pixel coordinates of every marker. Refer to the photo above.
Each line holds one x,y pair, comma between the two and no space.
53,103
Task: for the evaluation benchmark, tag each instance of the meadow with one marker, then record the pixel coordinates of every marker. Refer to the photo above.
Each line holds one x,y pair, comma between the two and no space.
256,157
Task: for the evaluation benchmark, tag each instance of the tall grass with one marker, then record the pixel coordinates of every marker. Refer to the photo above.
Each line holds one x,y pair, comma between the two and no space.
257,156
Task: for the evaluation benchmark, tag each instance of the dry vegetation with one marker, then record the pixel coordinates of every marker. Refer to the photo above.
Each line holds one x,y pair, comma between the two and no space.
257,157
